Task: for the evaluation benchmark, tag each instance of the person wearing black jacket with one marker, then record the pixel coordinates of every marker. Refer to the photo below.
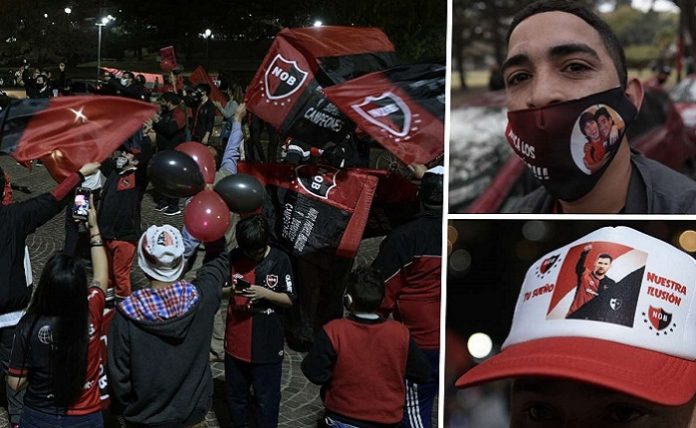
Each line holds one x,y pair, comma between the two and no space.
17,221
159,338
170,131
204,117
362,360
119,213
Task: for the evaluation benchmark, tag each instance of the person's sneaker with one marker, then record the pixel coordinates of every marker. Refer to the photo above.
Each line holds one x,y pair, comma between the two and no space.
171,210
110,297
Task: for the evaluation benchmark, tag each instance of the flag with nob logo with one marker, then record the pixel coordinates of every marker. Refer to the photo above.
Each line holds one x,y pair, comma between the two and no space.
287,90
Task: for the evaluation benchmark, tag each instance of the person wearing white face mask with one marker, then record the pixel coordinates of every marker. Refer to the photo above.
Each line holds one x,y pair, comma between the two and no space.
562,60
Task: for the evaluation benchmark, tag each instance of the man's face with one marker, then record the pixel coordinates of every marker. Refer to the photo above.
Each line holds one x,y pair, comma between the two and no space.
591,130
555,57
61,66
601,266
547,402
604,125
40,81
255,254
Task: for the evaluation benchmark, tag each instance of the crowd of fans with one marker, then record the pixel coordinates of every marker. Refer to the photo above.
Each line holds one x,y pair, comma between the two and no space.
83,342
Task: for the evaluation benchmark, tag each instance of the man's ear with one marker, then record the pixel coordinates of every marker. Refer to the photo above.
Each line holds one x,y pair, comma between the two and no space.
635,92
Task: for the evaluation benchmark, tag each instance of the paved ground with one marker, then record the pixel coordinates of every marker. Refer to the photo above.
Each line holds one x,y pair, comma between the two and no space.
300,405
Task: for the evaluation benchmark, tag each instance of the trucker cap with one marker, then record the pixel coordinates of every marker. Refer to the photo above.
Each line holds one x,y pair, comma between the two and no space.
632,329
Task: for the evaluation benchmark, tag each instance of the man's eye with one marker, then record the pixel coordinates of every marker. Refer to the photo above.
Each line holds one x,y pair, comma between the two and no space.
624,413
517,78
541,412
576,67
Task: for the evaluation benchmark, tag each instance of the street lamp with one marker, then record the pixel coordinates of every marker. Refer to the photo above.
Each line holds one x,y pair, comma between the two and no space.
207,35
318,23
104,21
67,10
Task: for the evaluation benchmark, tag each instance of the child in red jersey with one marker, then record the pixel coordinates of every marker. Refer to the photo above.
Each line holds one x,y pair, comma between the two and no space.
362,360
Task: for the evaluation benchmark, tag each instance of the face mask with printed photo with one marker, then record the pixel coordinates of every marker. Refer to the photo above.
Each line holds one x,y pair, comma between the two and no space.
569,145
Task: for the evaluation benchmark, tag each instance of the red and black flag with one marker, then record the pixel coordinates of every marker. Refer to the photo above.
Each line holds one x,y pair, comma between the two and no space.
403,108
287,89
67,132
315,208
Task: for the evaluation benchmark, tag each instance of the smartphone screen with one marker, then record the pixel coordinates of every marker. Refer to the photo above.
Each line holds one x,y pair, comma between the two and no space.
242,284
81,204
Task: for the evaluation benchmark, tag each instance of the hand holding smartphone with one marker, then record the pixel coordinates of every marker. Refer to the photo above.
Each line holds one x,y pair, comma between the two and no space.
242,284
81,204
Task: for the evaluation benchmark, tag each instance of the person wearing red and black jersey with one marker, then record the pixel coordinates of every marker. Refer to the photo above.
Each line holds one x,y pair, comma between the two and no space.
119,212
590,282
410,260
263,283
17,221
57,351
362,360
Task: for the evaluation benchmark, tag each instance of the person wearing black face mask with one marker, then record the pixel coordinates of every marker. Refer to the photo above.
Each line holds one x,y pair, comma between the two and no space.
41,89
170,131
550,82
204,115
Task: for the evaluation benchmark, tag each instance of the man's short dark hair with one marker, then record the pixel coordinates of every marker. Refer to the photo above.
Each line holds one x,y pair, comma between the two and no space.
205,88
431,190
171,98
602,112
584,118
366,288
605,256
611,42
252,233
127,75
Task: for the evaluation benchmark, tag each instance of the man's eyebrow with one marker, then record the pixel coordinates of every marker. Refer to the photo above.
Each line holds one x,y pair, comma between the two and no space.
555,53
572,48
515,60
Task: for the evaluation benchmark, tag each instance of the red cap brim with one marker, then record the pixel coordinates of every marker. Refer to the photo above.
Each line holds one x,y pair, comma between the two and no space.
649,375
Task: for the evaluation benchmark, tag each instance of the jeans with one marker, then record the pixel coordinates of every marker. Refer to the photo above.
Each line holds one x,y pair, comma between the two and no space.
15,399
265,378
35,419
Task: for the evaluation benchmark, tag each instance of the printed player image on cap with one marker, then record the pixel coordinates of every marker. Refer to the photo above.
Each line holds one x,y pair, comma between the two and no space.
598,281
596,131
612,309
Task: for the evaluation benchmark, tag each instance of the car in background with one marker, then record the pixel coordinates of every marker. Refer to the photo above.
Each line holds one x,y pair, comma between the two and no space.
486,176
684,96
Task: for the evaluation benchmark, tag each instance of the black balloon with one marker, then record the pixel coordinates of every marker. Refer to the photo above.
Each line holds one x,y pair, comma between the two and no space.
175,174
242,193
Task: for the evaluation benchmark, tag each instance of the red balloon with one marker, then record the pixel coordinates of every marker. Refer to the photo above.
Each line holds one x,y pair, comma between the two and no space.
201,154
207,217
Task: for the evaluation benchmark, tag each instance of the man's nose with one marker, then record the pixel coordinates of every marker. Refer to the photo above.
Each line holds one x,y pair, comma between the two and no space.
545,89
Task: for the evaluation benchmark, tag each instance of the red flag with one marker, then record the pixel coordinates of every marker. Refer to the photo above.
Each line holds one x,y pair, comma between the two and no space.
315,208
199,76
168,59
402,108
286,90
67,132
